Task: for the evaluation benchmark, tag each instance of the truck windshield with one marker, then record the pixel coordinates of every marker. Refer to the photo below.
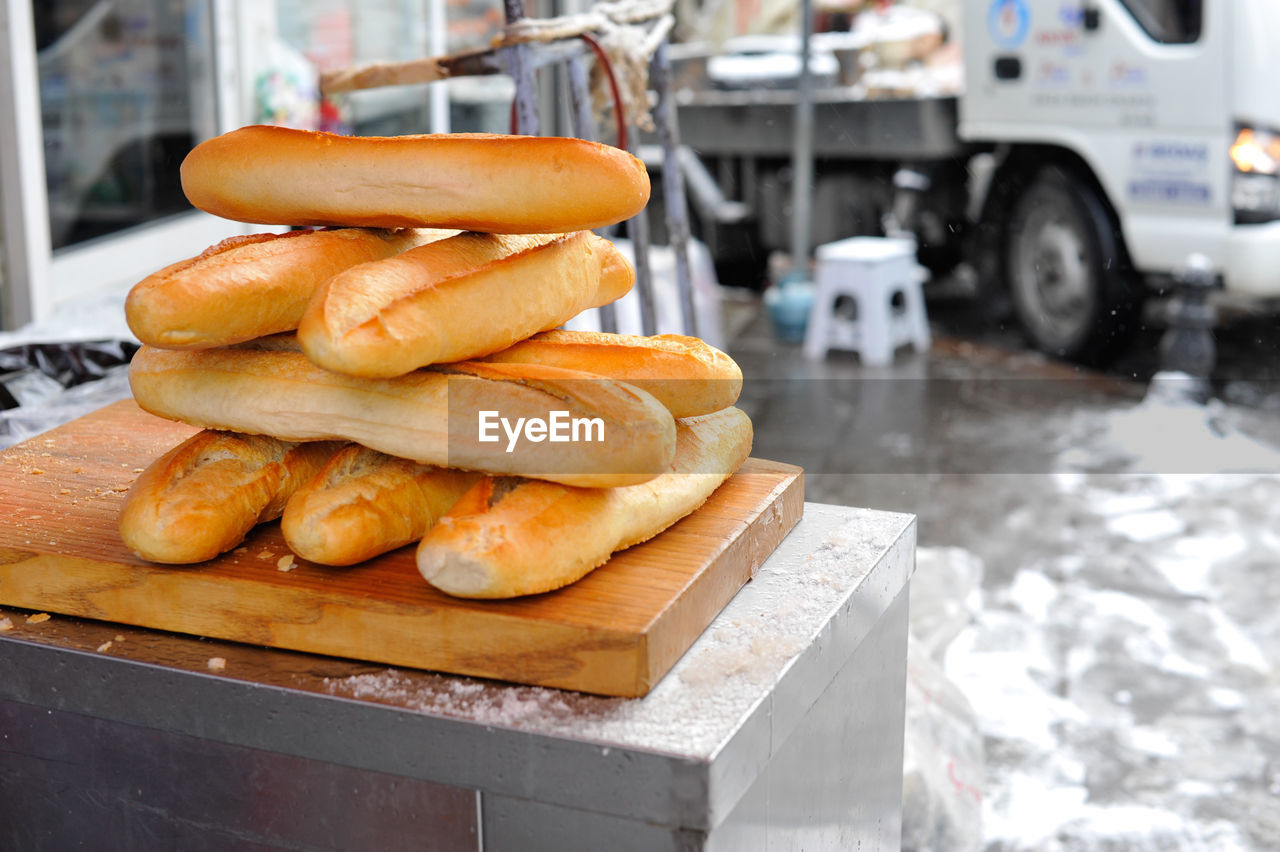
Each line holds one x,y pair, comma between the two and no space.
1169,21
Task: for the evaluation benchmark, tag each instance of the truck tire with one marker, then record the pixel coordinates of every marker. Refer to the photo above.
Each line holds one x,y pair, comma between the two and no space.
1072,287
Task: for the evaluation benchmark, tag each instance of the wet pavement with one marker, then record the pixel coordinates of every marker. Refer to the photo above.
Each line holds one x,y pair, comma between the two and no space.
1101,560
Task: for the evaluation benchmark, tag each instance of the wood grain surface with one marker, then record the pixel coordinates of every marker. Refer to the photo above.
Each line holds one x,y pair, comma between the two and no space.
615,632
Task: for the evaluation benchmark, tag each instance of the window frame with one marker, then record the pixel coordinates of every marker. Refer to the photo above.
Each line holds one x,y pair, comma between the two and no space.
1139,12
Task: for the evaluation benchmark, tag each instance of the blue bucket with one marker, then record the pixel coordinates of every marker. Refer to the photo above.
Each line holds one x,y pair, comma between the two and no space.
788,304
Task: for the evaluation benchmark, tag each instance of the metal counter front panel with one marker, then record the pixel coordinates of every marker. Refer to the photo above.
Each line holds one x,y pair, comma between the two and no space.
70,780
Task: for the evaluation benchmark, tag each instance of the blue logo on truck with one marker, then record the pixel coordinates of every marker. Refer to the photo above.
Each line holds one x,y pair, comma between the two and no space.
1158,191
1009,21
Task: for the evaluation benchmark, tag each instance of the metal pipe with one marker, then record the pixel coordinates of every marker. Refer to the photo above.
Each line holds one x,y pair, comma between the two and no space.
705,193
521,71
437,95
638,233
584,127
802,152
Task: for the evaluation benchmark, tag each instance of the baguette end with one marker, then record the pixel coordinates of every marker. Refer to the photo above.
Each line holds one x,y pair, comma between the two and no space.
458,574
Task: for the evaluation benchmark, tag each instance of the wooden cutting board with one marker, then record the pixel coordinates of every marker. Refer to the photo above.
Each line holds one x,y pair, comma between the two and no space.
615,632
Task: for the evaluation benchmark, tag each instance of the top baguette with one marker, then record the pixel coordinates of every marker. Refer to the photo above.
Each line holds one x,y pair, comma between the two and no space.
472,181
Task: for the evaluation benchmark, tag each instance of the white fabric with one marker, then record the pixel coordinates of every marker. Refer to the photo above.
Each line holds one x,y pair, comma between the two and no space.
666,295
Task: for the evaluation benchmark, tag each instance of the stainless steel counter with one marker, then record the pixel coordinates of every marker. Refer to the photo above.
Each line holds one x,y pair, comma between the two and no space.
780,728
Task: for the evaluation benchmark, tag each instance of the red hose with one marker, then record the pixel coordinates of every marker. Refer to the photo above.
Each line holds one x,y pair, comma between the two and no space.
618,111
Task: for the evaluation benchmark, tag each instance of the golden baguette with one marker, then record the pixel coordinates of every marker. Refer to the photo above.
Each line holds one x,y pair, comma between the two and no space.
433,415
471,181
247,287
508,537
458,298
202,497
685,374
363,503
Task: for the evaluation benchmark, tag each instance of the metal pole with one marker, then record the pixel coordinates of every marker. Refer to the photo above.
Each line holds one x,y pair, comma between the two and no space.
584,122
521,71
802,153
673,186
584,127
437,93
638,233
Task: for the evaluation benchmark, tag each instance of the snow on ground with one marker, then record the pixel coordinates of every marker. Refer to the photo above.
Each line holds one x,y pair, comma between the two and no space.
1122,673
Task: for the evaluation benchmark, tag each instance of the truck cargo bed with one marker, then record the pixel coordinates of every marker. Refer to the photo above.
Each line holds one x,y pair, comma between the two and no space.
759,123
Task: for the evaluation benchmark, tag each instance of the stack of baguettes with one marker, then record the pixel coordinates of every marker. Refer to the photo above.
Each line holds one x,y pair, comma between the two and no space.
354,380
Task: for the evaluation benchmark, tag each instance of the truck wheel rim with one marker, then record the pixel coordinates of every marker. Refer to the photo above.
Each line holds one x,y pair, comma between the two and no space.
1052,271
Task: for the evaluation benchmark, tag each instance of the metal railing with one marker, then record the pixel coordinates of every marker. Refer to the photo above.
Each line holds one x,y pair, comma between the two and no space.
531,45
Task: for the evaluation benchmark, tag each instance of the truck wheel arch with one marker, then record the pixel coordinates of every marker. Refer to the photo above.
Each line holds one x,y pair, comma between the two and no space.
1060,175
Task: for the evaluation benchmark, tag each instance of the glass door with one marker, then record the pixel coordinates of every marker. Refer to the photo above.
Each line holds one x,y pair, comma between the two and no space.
125,93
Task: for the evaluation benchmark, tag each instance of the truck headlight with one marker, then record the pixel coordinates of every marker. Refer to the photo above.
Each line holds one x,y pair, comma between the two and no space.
1255,187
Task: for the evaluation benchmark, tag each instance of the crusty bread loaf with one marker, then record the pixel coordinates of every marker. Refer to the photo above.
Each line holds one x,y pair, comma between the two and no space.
457,298
507,537
363,503
268,387
475,182
247,287
685,374
202,497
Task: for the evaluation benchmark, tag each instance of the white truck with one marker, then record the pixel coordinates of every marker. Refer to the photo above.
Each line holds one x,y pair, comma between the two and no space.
1094,146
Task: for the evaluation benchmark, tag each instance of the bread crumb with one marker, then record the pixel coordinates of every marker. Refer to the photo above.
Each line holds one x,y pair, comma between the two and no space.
119,637
217,664
5,624
64,491
35,471
38,618
285,563
104,647
266,554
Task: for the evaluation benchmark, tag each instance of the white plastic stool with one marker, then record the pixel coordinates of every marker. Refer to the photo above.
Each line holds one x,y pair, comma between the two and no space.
872,271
